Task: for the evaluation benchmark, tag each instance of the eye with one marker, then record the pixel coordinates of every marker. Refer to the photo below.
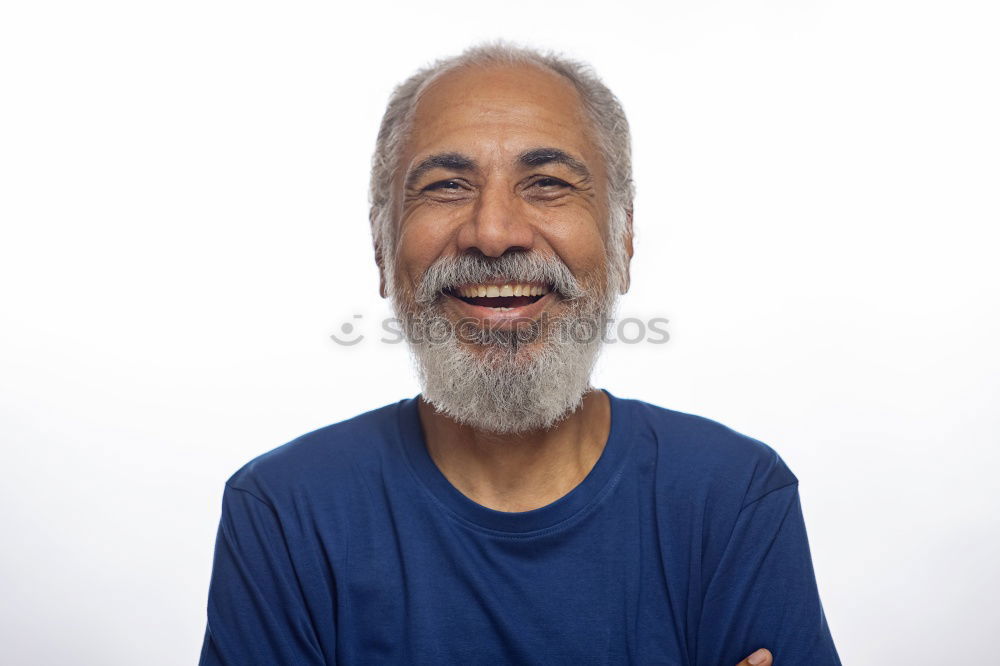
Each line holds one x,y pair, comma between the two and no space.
548,182
546,188
445,185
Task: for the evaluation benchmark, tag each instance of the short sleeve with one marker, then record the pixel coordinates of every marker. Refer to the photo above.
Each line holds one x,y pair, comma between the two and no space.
764,592
257,612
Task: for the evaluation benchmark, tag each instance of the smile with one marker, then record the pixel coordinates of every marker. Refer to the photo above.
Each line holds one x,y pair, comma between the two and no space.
501,302
501,297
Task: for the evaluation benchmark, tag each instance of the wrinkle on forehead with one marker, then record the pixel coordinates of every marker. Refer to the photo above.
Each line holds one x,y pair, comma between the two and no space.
501,108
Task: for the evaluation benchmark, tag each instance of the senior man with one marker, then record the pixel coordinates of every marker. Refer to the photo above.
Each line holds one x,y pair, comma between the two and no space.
511,513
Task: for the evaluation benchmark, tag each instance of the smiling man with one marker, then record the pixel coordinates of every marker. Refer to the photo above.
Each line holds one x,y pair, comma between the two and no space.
511,513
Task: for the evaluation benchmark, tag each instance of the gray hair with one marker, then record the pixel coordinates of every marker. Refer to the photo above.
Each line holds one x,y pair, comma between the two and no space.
600,104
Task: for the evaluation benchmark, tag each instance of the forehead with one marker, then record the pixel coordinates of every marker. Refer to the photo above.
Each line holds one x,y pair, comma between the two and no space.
499,110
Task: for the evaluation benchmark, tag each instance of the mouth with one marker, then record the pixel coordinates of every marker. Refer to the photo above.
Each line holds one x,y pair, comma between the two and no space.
500,296
499,303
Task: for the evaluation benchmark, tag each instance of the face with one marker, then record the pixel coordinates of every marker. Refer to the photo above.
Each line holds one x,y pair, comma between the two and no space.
502,220
500,160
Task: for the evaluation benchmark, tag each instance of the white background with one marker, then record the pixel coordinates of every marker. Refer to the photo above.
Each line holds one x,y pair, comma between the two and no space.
183,200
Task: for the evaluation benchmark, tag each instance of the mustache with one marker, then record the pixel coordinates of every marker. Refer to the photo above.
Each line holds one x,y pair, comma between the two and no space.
451,272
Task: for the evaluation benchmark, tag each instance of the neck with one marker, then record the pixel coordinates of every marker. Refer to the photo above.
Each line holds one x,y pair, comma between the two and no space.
523,471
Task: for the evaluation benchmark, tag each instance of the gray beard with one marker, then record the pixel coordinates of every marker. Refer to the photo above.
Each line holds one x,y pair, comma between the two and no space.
503,389
497,384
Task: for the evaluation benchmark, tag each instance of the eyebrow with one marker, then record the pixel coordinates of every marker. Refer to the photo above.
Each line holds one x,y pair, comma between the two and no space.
453,161
541,156
530,158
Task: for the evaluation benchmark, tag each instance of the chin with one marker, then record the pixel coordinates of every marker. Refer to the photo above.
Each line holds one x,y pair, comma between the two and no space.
505,388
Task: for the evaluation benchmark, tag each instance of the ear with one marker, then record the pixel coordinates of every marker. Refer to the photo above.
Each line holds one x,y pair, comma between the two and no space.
628,249
379,254
379,259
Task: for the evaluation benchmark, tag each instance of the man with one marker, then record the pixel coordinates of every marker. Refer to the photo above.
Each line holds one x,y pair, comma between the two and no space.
511,514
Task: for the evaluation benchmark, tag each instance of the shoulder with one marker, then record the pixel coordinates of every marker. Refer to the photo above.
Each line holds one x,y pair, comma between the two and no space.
326,458
704,456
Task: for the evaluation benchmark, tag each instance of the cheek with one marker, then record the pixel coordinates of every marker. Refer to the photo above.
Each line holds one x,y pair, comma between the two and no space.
417,248
580,247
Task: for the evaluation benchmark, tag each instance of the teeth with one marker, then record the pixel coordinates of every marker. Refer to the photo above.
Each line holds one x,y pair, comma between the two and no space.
501,291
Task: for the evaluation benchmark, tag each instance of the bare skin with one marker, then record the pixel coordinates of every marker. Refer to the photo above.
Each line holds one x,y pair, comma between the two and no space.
492,117
760,657
492,200
519,473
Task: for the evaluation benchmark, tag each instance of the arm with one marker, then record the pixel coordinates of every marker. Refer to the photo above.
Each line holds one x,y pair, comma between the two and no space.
764,591
257,613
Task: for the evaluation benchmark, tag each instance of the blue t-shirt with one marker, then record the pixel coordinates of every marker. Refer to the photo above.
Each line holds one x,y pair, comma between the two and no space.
685,544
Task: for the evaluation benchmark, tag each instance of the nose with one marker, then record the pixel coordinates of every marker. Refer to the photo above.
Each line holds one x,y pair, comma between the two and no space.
496,225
